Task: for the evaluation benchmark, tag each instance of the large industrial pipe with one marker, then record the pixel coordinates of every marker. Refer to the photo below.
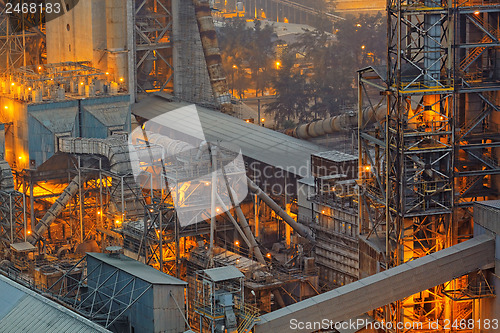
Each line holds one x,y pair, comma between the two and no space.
340,123
55,210
299,228
254,247
212,55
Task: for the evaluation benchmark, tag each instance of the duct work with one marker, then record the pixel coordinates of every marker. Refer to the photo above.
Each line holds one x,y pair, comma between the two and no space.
299,228
115,149
6,177
54,211
341,123
212,55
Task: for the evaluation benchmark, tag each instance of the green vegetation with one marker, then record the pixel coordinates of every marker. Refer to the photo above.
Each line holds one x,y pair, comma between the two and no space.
315,77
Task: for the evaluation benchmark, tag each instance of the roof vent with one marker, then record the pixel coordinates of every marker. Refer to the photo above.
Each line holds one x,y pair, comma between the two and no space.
114,251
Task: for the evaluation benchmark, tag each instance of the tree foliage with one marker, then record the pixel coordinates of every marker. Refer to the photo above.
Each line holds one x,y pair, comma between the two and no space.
329,84
244,47
317,75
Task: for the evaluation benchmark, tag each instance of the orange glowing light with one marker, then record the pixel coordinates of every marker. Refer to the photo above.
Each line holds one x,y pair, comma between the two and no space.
29,88
81,83
121,79
477,12
247,121
98,213
6,107
322,212
368,168
217,210
29,232
237,243
363,47
20,157
234,66
263,120
268,255
12,84
107,73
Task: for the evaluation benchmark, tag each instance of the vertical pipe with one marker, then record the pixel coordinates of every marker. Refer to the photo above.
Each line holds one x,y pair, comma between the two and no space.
32,203
24,214
11,220
212,202
122,180
360,155
160,235
130,26
101,212
81,198
256,214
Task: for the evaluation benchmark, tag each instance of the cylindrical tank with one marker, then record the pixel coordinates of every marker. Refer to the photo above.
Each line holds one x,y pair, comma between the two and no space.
89,90
113,88
81,88
37,96
116,38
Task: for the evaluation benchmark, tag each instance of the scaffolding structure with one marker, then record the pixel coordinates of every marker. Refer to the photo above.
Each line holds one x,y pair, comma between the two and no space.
153,45
433,155
22,39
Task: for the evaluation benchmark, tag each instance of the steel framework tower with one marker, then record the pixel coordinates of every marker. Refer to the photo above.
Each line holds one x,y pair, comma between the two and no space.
434,153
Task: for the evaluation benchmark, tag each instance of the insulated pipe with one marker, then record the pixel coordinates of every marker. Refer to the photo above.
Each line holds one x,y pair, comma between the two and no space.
340,123
244,223
212,55
172,147
299,228
235,223
56,209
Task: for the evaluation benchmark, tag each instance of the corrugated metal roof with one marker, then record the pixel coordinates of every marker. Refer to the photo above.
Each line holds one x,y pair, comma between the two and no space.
23,310
336,156
256,142
57,120
21,247
223,273
307,180
109,114
490,203
137,269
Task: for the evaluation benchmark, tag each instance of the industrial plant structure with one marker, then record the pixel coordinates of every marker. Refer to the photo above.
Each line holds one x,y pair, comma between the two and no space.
126,204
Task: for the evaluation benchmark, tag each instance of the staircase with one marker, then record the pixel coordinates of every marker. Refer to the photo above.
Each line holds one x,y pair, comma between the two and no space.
469,184
477,51
474,54
473,123
249,316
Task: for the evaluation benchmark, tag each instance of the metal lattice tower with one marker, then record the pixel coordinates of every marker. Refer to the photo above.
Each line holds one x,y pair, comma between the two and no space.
433,155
